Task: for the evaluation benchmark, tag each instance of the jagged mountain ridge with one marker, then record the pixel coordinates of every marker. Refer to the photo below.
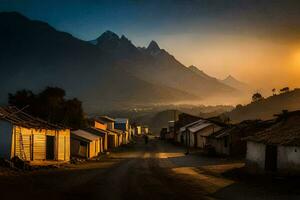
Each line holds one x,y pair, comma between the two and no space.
156,65
34,55
107,72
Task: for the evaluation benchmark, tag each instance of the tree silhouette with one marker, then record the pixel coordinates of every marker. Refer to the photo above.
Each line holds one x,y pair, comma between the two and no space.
239,106
50,105
257,97
285,89
274,91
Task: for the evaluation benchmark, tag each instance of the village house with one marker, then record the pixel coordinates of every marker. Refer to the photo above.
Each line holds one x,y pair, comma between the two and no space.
171,130
276,149
101,133
145,130
229,140
183,134
115,137
131,132
198,133
138,130
32,139
183,120
123,125
119,136
85,144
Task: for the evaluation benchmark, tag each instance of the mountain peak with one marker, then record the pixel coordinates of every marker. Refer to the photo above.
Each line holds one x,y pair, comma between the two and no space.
194,68
230,78
235,83
153,46
108,35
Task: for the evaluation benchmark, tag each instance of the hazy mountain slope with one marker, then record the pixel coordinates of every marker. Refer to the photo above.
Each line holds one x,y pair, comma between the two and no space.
233,82
266,108
201,73
155,65
34,55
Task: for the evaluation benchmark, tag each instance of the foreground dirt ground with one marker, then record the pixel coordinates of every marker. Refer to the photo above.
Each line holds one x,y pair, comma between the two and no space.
156,170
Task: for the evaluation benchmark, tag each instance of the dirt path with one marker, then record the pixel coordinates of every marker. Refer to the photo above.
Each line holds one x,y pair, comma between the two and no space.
153,171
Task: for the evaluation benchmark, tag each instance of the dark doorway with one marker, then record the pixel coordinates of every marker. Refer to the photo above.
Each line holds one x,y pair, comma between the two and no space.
195,140
271,158
50,147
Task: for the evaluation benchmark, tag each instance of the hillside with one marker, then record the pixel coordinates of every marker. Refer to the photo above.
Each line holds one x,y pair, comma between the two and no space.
266,108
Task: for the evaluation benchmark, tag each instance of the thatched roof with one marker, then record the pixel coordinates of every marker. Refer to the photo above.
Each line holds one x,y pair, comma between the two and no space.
285,132
16,116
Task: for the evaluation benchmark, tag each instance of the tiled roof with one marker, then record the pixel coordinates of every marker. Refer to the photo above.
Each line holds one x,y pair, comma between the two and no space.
285,132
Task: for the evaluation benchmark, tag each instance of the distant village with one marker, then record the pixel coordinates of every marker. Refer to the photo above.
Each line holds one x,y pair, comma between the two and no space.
268,147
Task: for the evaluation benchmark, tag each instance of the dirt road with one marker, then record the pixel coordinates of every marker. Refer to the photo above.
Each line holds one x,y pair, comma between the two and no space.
153,171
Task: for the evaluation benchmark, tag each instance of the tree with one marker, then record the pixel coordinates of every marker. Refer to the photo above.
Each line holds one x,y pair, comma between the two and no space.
50,105
274,91
22,98
257,97
285,89
74,114
239,106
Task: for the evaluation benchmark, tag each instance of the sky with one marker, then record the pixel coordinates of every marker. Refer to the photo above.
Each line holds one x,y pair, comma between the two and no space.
256,41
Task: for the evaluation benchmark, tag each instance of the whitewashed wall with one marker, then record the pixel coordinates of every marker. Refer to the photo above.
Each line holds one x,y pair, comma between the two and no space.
5,139
256,155
288,158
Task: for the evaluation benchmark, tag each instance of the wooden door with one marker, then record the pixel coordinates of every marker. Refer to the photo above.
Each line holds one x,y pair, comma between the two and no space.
50,147
271,158
39,147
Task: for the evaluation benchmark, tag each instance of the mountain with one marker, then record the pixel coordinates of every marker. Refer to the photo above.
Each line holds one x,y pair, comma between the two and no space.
266,108
34,55
106,73
233,82
156,65
201,73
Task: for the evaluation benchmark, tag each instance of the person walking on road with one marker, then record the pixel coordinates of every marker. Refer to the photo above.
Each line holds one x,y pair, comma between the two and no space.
146,139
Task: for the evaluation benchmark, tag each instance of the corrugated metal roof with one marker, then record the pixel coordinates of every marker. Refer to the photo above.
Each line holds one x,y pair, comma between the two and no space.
85,135
95,131
198,127
117,131
191,124
105,119
121,120
16,116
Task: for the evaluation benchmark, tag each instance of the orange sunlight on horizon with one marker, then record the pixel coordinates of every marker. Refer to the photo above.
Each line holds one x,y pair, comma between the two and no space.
261,62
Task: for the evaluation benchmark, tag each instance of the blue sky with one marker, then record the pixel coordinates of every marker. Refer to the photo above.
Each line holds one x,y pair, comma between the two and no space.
89,18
